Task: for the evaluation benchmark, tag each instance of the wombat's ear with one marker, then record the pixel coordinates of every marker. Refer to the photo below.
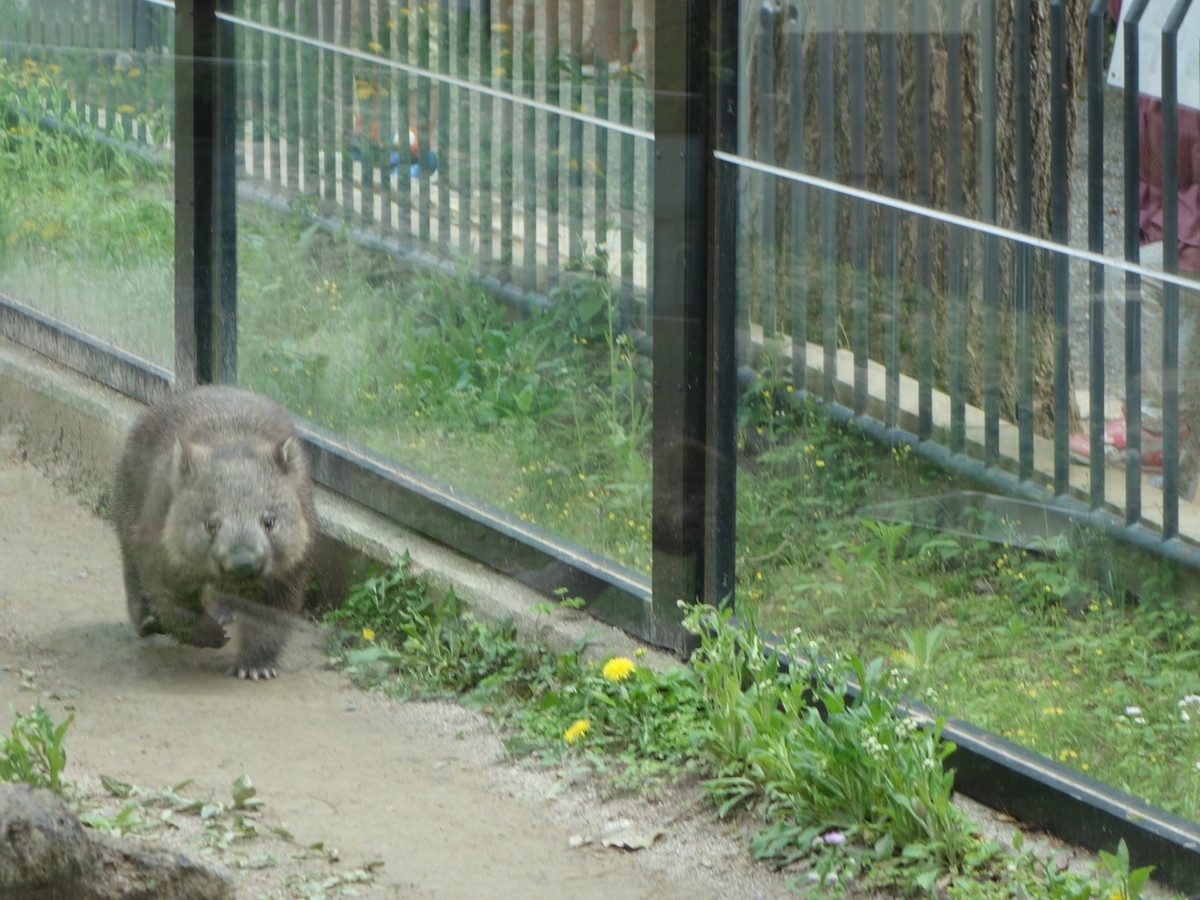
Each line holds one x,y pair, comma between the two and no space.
289,454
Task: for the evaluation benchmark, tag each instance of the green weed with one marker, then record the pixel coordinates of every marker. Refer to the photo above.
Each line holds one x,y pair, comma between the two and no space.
33,752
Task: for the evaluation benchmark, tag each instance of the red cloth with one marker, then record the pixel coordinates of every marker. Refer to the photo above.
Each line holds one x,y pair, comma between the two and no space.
1150,156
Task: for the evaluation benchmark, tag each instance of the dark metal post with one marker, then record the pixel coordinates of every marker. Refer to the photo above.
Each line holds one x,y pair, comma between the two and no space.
1023,254
1059,228
693,360
205,212
1133,281
923,269
1096,374
799,273
1170,292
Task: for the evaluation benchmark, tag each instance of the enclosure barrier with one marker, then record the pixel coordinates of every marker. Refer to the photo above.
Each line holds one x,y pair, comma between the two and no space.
734,236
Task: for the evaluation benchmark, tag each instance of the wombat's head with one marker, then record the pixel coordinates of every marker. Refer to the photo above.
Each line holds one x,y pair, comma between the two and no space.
239,510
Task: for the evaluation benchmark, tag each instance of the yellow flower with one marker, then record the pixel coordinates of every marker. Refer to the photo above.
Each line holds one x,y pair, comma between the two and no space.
576,731
375,47
126,109
368,634
618,669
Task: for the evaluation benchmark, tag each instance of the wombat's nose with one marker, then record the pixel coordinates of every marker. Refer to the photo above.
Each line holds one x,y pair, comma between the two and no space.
243,562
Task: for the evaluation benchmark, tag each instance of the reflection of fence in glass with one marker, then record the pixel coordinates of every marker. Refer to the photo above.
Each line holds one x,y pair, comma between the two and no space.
109,63
502,132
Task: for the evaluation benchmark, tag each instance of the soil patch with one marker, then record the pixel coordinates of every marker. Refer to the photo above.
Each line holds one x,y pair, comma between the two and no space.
420,791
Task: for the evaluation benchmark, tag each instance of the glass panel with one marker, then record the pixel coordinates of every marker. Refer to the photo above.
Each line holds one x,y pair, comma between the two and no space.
888,283
86,196
444,245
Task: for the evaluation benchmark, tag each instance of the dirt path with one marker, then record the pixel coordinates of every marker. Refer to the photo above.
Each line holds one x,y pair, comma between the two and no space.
421,787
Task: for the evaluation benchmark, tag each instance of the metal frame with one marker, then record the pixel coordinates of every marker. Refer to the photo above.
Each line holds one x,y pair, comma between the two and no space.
695,337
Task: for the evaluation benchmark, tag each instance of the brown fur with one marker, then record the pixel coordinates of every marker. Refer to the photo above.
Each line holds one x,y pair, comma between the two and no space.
214,514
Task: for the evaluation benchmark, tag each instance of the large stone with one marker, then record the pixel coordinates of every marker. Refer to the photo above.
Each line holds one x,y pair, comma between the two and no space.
46,854
44,851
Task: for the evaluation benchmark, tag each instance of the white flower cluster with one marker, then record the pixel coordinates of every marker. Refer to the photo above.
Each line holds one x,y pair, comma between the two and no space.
1189,700
874,747
1135,713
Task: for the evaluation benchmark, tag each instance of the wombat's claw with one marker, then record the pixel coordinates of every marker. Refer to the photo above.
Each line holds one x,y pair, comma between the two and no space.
254,673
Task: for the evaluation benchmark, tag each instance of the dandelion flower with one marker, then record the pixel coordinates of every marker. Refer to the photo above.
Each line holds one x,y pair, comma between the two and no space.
577,730
618,669
368,634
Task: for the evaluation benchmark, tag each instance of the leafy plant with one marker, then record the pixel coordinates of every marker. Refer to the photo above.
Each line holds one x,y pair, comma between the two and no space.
396,631
819,744
33,752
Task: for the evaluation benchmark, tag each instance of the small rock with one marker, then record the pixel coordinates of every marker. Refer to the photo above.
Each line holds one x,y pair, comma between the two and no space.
46,854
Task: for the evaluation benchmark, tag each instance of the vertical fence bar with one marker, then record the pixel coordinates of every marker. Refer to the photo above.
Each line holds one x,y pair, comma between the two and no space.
529,150
1133,281
1170,292
372,138
575,138
326,106
956,297
889,225
487,118
553,72
289,102
859,238
343,92
600,96
94,42
744,231
268,100
424,123
1095,203
684,145
445,99
648,106
765,78
106,34
205,192
826,40
922,87
464,161
798,286
1023,256
720,502
303,17
402,52
628,151
991,245
1060,232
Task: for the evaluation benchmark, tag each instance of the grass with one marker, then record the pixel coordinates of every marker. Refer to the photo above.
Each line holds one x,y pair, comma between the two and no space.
86,231
1089,656
850,797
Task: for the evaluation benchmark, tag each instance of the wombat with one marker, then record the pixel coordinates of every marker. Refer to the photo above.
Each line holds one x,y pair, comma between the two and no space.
214,513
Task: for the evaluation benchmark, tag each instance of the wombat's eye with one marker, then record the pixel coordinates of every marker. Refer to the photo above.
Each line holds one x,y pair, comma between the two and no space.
268,522
211,525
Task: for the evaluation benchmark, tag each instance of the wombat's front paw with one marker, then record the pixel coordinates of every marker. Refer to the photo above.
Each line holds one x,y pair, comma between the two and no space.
245,671
207,632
